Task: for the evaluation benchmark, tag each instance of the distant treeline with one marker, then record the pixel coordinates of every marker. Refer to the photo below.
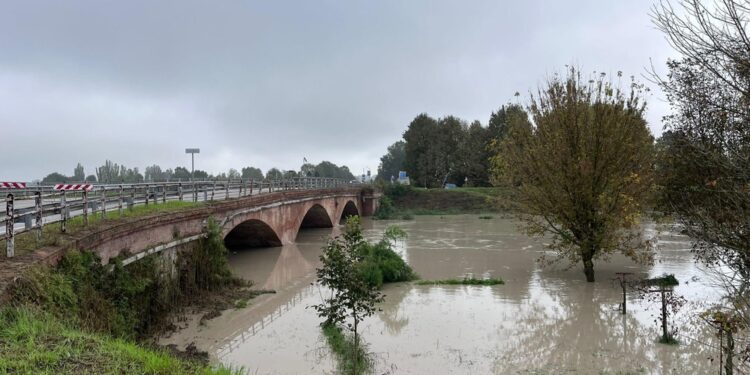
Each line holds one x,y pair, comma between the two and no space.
110,172
448,150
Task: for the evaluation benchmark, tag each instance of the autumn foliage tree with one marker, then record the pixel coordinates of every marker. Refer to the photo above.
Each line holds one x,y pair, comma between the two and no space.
582,168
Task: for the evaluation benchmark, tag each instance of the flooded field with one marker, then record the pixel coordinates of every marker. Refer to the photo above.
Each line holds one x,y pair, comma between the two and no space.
542,321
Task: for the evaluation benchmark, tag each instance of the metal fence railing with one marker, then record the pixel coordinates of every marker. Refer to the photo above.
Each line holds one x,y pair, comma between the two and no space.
29,208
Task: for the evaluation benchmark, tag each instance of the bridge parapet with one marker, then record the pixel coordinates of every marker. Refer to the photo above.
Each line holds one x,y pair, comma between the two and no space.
30,207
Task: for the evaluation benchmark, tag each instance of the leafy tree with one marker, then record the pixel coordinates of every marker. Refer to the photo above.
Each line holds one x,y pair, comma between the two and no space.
274,174
201,174
392,162
78,173
473,156
704,159
353,297
91,178
55,178
252,173
181,173
109,172
233,174
584,169
500,120
431,150
417,151
154,173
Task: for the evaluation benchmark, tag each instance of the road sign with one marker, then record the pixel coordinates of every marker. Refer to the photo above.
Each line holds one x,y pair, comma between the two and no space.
192,151
12,185
74,187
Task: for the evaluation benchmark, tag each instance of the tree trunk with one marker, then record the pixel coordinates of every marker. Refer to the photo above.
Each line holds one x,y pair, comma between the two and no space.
728,365
356,347
588,265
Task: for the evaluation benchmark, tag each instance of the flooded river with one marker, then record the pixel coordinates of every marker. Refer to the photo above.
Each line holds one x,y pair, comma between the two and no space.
542,321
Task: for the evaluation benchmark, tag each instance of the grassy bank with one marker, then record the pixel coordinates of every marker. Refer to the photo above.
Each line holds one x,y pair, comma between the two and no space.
88,312
34,342
342,346
402,202
467,281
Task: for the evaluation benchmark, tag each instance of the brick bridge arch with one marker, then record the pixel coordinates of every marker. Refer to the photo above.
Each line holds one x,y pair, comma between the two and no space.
280,225
265,220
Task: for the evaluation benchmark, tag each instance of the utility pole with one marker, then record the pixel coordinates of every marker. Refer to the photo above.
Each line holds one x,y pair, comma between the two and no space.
192,152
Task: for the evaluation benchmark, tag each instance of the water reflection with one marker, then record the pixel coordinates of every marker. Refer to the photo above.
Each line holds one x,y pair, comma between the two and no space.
541,321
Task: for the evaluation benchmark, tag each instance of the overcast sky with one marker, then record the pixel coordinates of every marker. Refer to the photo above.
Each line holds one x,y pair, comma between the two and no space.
266,83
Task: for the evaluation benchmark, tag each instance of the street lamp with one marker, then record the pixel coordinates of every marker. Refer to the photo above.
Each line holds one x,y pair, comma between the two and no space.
192,152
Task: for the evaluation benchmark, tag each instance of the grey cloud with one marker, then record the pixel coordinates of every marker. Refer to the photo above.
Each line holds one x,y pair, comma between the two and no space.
267,83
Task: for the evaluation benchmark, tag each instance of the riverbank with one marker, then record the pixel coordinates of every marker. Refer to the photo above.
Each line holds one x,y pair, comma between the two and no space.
402,202
82,316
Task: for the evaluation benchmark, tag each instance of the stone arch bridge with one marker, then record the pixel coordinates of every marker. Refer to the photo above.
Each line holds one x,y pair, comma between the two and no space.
272,219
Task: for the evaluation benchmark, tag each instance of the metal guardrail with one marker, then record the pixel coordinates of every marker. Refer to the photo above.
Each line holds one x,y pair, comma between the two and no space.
30,208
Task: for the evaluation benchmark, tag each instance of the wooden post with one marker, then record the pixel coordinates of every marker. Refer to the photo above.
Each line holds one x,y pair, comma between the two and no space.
39,208
195,193
63,208
179,190
145,191
622,277
10,246
85,208
251,186
226,190
164,193
213,190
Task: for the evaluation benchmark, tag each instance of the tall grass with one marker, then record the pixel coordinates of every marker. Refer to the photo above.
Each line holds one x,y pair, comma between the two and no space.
35,342
342,346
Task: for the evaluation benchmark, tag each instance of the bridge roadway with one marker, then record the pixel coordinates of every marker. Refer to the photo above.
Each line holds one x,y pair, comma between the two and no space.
268,219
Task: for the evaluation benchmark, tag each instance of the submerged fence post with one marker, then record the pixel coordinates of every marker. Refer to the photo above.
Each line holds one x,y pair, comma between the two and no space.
63,213
9,223
38,204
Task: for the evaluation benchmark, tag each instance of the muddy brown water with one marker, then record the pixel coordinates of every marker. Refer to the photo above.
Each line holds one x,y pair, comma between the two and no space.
544,320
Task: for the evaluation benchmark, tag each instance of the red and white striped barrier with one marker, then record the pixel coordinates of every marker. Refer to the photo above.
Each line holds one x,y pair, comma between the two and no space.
12,185
74,187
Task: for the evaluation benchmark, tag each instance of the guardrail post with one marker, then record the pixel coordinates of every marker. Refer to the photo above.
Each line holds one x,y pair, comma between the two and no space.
38,204
145,191
119,201
9,223
132,198
226,190
251,186
164,193
85,208
63,211
213,190
104,203
179,190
